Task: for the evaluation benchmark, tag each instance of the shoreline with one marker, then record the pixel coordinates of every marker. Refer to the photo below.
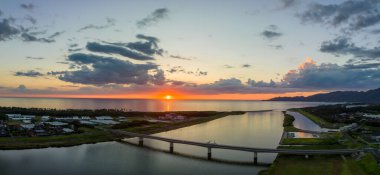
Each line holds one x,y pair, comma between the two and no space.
98,135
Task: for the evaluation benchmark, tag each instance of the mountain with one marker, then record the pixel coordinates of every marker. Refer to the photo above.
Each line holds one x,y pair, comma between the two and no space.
370,96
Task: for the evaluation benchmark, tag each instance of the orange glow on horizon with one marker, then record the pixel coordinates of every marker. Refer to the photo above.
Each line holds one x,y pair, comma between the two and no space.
168,97
173,95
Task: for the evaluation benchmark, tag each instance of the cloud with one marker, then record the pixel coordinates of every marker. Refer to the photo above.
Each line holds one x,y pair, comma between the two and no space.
343,46
349,14
7,31
246,66
110,22
140,50
288,3
34,58
31,38
111,49
270,34
153,18
30,73
29,6
180,69
310,75
98,70
180,57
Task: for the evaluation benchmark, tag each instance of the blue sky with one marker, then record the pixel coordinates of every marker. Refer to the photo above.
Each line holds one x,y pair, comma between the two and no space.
278,47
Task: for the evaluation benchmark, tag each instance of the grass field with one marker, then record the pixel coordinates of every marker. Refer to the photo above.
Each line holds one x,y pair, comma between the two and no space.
314,165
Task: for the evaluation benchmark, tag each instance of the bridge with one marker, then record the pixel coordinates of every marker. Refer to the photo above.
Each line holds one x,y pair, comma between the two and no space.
255,151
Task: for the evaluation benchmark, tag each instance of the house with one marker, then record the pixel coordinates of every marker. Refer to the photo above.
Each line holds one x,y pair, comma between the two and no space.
348,127
28,126
172,116
104,118
85,118
45,118
67,130
56,124
85,122
40,132
20,117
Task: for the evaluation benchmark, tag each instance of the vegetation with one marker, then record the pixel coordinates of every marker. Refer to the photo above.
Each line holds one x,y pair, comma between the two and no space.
314,165
309,141
288,123
369,164
87,136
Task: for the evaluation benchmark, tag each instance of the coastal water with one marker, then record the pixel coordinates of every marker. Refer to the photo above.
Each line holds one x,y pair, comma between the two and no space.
152,105
253,129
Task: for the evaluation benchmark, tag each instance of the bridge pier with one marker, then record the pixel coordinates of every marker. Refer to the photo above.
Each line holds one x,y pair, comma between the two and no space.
141,141
209,153
255,158
171,147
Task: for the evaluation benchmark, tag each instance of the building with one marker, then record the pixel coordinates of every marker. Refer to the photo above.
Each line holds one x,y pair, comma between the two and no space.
104,118
172,116
20,117
45,118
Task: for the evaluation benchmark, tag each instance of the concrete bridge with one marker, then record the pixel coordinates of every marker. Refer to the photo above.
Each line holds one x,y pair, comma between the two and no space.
255,151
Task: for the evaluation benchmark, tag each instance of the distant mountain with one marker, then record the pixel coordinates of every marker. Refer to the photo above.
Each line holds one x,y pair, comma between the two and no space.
370,96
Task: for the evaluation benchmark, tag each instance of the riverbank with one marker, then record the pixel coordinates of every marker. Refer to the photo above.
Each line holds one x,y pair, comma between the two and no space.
360,164
101,134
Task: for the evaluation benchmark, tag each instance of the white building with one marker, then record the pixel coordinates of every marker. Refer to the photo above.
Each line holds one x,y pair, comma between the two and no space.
27,126
85,118
45,118
104,118
20,117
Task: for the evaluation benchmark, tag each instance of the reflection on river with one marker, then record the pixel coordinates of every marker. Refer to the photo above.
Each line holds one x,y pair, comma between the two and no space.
253,129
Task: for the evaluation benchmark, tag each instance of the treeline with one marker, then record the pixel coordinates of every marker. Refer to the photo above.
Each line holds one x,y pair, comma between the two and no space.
97,112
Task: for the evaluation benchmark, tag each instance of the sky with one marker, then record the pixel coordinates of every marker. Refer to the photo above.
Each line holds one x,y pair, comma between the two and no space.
199,49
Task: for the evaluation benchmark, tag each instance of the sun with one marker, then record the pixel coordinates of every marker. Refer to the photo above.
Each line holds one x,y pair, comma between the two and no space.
168,97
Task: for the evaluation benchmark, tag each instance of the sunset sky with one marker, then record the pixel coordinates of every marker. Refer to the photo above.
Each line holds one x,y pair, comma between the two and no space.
199,49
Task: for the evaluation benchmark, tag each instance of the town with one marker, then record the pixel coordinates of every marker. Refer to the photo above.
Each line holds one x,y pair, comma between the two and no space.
18,125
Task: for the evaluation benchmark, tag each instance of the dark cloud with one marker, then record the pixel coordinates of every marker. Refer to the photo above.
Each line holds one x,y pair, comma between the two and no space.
1,13
7,30
140,50
31,38
343,46
332,76
288,3
180,69
34,58
153,18
350,14
98,70
112,49
270,34
29,6
228,66
110,22
30,73
246,66
363,66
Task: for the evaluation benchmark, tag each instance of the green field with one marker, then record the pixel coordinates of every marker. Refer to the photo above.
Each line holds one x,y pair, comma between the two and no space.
314,165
